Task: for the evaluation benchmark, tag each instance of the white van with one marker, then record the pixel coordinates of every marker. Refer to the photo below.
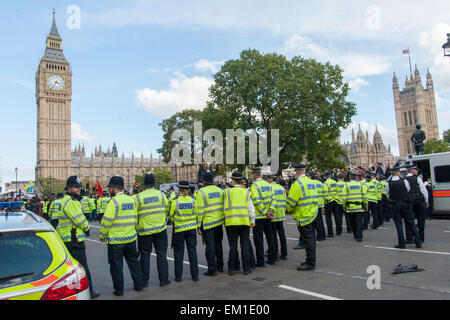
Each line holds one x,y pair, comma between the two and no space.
436,166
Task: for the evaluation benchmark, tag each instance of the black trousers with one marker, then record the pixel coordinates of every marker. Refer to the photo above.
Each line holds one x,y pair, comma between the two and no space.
319,226
190,238
373,210
263,227
309,239
331,208
278,231
356,223
214,251
145,246
80,255
402,211
116,253
418,209
241,234
347,221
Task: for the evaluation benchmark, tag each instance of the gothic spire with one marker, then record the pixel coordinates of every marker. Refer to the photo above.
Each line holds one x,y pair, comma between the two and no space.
54,34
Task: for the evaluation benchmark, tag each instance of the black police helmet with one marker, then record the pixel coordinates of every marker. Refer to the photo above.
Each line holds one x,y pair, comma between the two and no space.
73,181
116,181
149,180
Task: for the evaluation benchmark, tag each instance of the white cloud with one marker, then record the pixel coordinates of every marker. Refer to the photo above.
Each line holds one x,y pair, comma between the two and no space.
78,133
355,64
357,84
389,135
204,65
432,41
183,93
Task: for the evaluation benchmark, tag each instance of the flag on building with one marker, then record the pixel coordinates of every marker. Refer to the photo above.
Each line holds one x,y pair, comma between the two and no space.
406,51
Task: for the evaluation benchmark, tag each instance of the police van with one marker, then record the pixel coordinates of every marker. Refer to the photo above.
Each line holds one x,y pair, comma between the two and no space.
436,167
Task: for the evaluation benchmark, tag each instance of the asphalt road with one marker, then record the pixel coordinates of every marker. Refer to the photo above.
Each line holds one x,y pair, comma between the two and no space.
341,270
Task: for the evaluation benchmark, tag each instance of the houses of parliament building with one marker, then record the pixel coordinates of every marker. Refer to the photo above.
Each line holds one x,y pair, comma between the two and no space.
55,157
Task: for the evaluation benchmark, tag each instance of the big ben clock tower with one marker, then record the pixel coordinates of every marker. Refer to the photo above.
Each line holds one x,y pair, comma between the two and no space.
53,99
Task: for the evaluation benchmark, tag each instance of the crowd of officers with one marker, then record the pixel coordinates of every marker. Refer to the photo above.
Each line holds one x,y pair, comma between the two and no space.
132,226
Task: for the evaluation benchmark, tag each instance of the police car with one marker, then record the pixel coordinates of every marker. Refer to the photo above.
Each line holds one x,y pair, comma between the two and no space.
34,262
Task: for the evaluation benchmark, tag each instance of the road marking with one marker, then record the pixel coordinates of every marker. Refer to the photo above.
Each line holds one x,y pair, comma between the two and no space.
309,293
153,254
409,250
447,231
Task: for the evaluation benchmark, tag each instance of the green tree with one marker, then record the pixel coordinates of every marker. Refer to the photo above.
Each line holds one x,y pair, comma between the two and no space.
447,135
162,176
304,99
50,186
435,146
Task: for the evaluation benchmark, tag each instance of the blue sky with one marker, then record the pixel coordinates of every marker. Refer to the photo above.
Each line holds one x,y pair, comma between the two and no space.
137,62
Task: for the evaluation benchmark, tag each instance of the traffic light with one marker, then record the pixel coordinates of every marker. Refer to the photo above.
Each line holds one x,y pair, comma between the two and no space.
137,185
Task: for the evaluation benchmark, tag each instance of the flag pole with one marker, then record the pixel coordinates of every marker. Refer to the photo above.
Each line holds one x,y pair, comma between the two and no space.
409,54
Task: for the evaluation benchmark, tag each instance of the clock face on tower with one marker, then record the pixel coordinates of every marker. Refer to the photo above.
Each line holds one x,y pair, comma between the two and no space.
56,82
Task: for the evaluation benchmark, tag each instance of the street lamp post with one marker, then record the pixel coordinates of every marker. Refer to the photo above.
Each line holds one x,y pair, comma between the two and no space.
446,46
17,183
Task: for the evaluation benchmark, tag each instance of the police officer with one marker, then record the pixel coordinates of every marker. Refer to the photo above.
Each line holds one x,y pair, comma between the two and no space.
261,193
340,201
397,190
73,227
103,203
210,217
419,200
355,204
382,212
302,201
319,227
55,209
118,229
184,219
278,207
373,202
152,208
85,207
239,218
330,189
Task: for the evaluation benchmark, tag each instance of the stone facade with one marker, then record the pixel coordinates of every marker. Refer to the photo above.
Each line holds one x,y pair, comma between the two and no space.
361,152
55,159
414,105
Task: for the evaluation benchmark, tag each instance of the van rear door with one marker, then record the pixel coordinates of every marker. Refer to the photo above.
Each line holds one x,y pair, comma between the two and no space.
441,183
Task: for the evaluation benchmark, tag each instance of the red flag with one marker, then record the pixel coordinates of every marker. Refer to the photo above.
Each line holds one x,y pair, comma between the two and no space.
406,51
99,189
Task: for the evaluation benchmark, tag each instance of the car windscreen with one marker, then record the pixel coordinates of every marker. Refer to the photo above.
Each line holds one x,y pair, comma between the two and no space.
24,257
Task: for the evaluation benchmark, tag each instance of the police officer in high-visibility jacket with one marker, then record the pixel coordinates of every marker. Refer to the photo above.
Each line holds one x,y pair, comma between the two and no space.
93,208
85,207
55,209
210,218
239,218
355,204
302,201
73,227
382,212
278,206
373,202
103,203
340,201
261,193
152,208
330,189
184,220
319,226
118,230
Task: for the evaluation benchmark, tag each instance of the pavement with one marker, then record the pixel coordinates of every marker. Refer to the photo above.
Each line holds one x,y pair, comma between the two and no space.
344,270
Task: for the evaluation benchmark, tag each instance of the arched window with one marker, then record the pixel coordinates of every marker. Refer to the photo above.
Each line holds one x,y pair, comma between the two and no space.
410,118
405,115
415,116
